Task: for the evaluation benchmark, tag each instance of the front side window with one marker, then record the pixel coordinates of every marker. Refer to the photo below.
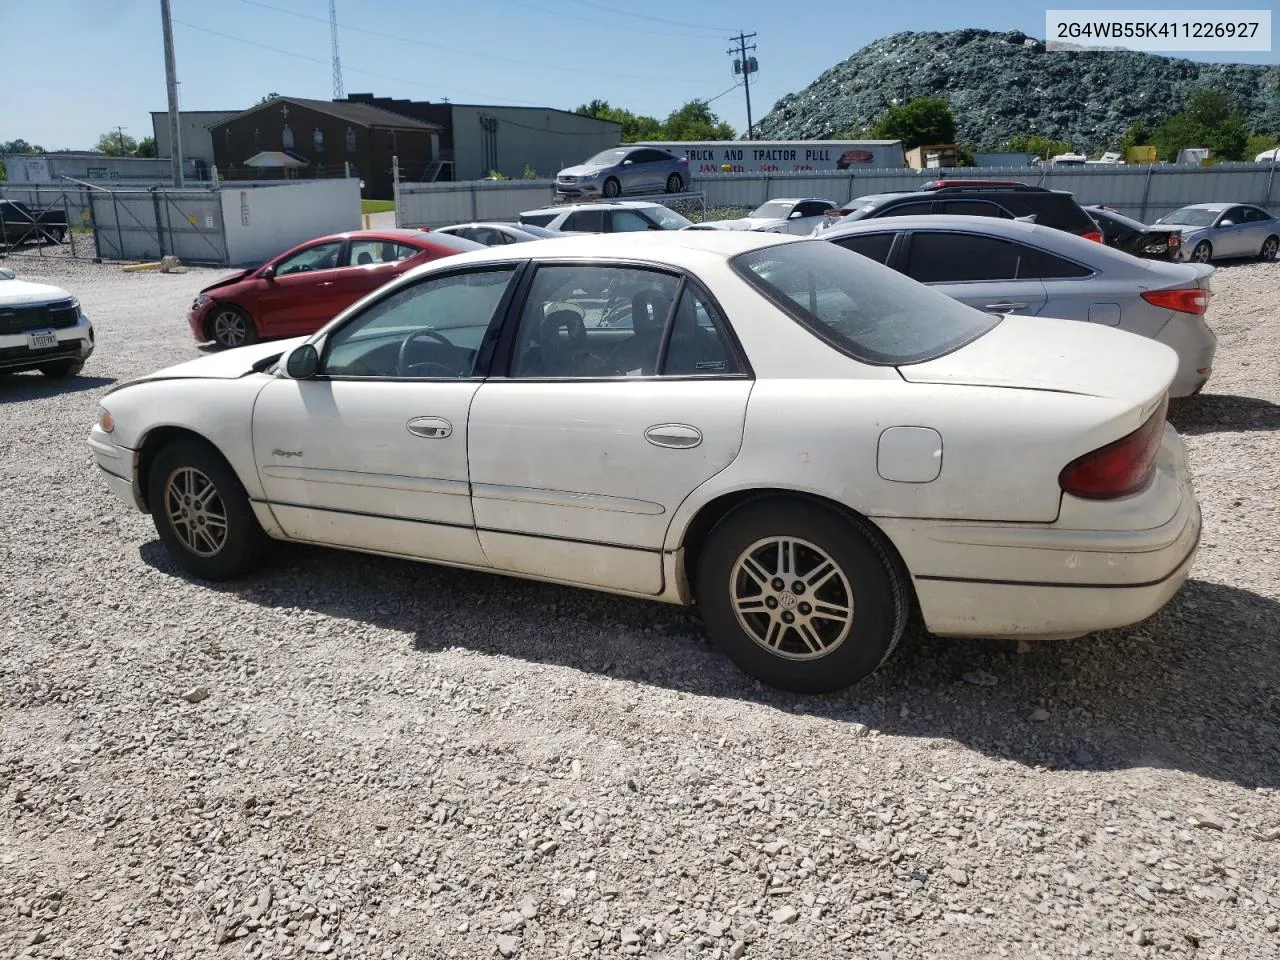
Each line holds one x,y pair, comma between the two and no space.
593,321
321,256
960,258
587,221
864,310
624,221
538,219
666,219
433,329
907,210
973,208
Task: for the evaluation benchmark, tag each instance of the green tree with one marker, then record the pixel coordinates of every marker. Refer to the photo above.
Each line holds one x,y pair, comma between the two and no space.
1136,136
634,127
1259,142
1209,108
268,98
1229,139
924,120
1037,145
695,121
15,146
146,148
115,143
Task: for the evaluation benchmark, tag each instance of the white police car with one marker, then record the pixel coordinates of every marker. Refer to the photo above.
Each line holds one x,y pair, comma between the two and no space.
41,328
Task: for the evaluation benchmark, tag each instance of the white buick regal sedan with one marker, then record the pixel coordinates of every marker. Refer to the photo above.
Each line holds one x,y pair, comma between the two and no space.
800,441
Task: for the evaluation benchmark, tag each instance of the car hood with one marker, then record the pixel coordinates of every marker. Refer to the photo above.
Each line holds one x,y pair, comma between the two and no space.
223,365
581,170
1062,356
228,280
14,293
1179,227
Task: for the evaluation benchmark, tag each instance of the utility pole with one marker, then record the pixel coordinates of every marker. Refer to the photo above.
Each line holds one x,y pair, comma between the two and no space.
171,81
744,65
120,139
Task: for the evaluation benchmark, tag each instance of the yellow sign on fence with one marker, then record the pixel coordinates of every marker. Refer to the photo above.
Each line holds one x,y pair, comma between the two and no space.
1140,155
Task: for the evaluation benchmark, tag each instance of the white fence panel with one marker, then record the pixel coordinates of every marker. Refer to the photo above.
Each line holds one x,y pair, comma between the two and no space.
439,204
266,218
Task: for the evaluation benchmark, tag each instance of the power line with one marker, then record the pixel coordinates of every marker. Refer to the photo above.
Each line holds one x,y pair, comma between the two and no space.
438,46
641,16
602,23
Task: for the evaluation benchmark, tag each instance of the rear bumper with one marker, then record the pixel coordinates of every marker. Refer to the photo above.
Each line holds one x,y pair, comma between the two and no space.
1028,580
1195,344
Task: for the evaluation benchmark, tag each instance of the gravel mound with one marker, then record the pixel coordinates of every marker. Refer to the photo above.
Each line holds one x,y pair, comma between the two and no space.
343,756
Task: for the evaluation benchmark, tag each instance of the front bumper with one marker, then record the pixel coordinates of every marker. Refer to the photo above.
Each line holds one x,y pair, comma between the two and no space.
196,317
74,343
117,466
580,188
1047,580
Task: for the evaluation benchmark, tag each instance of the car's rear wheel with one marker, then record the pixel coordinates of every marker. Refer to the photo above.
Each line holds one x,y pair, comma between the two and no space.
61,369
202,513
674,183
229,326
1269,248
611,187
800,596
1203,252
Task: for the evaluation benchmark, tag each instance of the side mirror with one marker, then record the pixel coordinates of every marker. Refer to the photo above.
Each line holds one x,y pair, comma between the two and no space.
1226,223
302,362
626,163
268,272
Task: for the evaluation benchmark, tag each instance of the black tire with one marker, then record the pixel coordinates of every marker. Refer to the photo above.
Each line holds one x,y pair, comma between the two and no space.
674,183
61,369
61,235
1270,246
873,576
229,326
611,188
243,544
1202,253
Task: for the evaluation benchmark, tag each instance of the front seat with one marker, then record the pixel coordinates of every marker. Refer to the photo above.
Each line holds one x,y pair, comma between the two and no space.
639,351
364,258
562,346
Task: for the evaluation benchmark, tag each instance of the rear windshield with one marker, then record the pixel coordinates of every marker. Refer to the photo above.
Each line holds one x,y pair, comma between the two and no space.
863,309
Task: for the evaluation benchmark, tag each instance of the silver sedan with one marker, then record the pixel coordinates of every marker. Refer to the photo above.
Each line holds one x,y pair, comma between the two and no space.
1220,231
1007,266
497,234
625,170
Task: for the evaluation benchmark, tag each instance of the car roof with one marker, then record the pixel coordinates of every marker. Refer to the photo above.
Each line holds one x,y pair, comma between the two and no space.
387,233
598,205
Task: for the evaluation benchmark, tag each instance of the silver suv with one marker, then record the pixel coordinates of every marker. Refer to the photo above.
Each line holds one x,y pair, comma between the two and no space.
620,170
616,216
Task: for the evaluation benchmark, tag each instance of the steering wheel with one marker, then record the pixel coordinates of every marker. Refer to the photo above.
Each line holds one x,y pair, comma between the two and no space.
403,367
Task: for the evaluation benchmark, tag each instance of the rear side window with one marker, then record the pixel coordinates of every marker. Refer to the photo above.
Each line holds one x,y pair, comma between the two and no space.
960,258
1043,265
863,309
589,221
973,208
873,245
538,219
1055,210
907,210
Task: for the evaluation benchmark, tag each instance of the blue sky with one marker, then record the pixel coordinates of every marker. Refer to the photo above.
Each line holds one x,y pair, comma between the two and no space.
89,65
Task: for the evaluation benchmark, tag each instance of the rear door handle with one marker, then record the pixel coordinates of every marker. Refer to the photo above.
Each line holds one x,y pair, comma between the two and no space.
1004,306
431,428
678,436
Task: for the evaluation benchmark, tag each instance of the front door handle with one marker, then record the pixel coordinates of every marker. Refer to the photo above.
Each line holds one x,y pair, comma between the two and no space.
678,436
432,428
1004,306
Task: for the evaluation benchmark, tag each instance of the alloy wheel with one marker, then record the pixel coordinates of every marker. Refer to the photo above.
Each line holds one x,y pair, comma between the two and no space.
792,598
1201,253
1269,248
196,511
229,328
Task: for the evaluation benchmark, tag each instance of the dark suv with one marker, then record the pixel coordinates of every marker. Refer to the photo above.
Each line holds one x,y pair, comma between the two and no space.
1009,199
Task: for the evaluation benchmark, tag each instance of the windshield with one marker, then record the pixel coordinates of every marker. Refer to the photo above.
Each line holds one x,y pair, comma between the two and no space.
668,219
1191,217
865,310
607,159
774,210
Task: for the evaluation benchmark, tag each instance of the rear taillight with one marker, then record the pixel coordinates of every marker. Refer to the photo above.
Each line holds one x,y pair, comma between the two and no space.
1094,235
1188,300
835,213
1121,467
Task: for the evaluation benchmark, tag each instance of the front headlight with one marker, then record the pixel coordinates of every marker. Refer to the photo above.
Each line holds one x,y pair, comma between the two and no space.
199,301
105,420
590,176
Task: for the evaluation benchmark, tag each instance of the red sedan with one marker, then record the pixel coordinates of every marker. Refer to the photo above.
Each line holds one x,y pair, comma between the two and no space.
302,289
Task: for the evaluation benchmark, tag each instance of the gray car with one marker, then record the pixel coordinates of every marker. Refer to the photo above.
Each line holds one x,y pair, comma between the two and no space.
1008,266
622,170
497,234
1219,231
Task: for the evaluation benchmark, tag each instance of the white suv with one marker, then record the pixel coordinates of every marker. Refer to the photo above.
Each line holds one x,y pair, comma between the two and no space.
41,328
609,216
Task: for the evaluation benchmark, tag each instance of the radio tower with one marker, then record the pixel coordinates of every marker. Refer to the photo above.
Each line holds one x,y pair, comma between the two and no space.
333,38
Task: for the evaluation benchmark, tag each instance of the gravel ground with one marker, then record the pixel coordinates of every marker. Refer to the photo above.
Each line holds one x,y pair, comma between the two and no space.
354,757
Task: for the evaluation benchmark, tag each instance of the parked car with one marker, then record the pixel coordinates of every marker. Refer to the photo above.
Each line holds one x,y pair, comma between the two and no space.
621,170
997,199
804,443
607,216
307,286
797,216
1135,237
41,328
1003,266
1217,231
496,234
20,224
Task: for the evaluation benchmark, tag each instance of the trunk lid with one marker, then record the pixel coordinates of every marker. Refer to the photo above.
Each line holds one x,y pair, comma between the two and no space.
1061,356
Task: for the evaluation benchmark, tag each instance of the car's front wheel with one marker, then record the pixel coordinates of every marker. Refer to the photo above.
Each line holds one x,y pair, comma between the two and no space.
202,513
674,183
800,596
1203,252
1269,248
229,326
62,369
611,187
